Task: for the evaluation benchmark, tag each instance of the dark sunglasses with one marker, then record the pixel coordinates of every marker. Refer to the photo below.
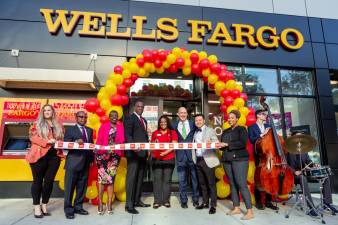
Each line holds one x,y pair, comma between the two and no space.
82,117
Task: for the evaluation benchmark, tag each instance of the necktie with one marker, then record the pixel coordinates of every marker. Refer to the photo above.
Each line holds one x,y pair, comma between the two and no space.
142,122
198,130
84,136
184,131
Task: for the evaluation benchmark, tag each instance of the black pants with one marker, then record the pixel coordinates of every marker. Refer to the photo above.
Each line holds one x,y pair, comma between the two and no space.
75,180
135,171
237,172
327,194
44,171
206,178
162,171
259,197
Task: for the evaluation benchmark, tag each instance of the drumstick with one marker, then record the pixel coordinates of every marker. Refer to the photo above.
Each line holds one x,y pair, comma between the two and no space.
307,166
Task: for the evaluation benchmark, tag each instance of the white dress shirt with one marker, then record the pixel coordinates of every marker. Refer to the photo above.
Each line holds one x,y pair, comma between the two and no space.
261,128
187,127
198,138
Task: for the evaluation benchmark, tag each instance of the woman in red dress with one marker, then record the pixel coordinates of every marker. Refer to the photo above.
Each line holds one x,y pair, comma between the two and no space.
163,162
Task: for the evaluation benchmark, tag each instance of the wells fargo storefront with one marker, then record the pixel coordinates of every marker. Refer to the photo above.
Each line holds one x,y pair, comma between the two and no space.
73,47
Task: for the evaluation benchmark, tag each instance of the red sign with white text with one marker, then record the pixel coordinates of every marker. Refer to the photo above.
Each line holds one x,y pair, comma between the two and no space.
66,109
21,110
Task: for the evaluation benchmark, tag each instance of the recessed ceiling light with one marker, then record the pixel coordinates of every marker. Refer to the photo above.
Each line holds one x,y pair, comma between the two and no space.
179,77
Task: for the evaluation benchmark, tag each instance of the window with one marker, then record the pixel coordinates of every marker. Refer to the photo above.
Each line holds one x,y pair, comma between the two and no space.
260,80
295,82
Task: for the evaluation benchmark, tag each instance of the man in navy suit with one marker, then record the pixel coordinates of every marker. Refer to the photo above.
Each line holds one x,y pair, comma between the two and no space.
185,130
77,166
255,132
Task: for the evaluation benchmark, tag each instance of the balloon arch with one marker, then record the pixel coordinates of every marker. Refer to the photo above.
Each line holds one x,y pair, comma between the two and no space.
113,96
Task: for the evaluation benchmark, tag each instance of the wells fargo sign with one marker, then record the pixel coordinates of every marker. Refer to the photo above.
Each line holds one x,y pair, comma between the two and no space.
107,25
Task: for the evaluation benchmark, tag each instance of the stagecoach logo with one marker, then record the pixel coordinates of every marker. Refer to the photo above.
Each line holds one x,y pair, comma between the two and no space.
97,24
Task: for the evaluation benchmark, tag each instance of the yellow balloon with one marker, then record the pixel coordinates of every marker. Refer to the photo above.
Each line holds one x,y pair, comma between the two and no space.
62,184
123,162
91,192
223,189
219,172
187,63
219,86
141,72
242,120
102,94
105,104
105,197
186,55
239,87
230,85
125,65
230,108
116,108
147,66
160,70
251,172
110,88
93,118
239,102
177,52
221,100
139,56
244,111
133,67
171,58
194,51
202,55
212,79
120,182
166,64
186,71
212,59
132,60
121,196
117,79
152,68
126,73
121,170
206,72
226,125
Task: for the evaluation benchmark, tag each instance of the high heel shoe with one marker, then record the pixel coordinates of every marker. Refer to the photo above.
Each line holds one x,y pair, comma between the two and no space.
38,216
45,213
100,210
109,209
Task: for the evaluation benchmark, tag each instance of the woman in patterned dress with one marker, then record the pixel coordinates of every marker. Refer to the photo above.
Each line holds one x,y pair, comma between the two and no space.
107,161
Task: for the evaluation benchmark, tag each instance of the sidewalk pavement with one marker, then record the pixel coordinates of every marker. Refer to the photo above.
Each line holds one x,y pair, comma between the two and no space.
19,212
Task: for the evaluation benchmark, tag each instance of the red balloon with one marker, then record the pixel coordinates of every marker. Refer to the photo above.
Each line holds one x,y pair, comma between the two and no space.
195,68
225,117
244,96
225,179
204,64
128,82
100,112
140,62
173,68
179,62
146,51
121,89
95,201
104,119
162,55
225,93
251,111
212,86
223,76
133,77
235,93
224,67
223,108
148,57
118,69
194,58
215,68
158,63
116,100
230,75
154,54
250,120
228,100
91,104
205,79
124,100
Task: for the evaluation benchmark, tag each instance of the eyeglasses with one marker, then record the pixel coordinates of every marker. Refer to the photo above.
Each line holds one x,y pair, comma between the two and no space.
82,117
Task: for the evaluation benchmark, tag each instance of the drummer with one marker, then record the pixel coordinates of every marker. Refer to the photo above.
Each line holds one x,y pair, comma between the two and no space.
294,162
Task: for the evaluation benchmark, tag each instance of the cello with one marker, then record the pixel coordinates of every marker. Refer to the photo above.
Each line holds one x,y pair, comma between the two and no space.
274,175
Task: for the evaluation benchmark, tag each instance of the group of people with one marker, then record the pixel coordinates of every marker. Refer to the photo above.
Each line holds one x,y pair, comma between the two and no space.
44,161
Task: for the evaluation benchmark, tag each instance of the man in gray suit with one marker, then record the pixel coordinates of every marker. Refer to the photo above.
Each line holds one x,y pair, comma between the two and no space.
206,160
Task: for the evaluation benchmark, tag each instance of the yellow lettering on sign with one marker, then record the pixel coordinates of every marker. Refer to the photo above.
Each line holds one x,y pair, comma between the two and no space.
139,20
273,38
61,20
91,24
299,38
198,30
114,21
220,33
244,31
167,29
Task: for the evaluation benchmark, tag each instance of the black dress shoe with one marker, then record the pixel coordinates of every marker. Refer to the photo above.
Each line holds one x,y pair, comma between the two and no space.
212,210
184,205
202,206
195,204
81,212
141,204
131,210
260,206
330,208
271,206
38,216
70,216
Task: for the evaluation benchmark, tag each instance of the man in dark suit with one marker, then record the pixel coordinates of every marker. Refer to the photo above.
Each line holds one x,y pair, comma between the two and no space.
298,161
255,132
135,130
77,166
185,130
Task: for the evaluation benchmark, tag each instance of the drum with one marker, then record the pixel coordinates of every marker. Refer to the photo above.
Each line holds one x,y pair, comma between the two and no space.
318,173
